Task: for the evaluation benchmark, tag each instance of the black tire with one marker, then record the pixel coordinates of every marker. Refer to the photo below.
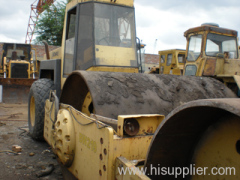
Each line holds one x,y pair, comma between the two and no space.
38,94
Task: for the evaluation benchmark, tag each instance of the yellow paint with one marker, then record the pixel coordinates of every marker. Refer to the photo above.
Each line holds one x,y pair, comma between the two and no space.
115,56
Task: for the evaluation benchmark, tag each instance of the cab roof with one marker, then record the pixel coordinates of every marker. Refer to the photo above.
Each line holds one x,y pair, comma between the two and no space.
129,3
211,28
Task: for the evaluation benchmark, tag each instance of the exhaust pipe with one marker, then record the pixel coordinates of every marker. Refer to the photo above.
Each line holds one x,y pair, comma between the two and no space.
46,49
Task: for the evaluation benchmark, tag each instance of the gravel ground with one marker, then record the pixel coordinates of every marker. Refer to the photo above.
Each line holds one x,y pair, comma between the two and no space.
35,161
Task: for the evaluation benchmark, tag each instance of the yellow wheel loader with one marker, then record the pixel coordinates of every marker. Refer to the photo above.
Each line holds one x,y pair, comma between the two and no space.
212,51
18,70
104,120
171,61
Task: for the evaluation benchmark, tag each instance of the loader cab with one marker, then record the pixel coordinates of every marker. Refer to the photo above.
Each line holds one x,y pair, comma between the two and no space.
209,47
99,36
172,61
16,51
16,60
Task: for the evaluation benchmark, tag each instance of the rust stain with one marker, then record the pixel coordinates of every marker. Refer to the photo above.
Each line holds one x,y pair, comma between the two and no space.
150,130
210,67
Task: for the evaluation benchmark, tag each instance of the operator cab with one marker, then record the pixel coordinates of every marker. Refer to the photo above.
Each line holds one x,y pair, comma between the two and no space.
172,61
208,46
14,51
99,35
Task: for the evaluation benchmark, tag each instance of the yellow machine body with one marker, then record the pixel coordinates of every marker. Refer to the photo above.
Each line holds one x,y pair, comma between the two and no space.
77,138
90,136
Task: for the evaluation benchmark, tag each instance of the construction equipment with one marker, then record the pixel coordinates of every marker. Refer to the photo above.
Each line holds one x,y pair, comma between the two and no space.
171,62
212,51
18,70
105,121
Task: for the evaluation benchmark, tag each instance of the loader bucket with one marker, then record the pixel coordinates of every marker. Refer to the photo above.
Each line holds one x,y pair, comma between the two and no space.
14,90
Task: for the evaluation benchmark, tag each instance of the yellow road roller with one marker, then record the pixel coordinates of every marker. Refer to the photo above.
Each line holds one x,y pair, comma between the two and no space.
104,120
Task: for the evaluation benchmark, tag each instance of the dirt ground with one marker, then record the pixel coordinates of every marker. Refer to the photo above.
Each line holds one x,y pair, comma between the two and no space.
36,158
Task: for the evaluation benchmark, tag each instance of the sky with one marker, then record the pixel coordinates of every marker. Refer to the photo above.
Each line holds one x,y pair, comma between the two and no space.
160,24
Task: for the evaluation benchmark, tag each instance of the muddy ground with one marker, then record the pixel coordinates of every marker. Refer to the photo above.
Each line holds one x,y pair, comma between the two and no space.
34,160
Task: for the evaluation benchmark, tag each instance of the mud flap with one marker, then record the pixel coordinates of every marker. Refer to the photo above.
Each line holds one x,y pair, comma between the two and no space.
14,90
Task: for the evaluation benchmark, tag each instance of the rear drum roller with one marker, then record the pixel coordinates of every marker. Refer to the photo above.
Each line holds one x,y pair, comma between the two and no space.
38,94
200,138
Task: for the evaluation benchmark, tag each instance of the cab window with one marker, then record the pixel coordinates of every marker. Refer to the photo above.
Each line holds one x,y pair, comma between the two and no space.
169,59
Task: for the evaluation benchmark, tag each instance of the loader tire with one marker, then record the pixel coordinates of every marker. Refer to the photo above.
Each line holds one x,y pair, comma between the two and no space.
38,94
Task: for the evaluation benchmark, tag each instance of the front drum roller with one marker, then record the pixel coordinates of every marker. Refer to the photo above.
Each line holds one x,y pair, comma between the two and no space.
111,94
38,94
203,134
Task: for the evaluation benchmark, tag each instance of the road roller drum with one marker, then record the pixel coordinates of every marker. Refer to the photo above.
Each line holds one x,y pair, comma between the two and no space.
111,94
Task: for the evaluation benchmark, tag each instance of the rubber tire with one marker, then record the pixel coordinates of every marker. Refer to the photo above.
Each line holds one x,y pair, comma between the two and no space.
39,90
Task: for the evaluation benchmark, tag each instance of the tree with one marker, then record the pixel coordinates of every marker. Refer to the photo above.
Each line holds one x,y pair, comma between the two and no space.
50,24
